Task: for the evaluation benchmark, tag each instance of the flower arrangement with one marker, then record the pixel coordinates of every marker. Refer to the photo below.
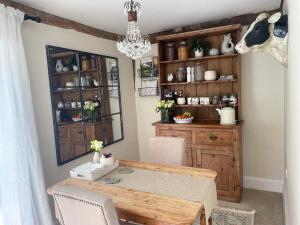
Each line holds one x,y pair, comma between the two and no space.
96,145
91,110
90,106
164,105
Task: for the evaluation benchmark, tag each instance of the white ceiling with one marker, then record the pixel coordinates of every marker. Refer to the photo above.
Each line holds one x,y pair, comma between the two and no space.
156,15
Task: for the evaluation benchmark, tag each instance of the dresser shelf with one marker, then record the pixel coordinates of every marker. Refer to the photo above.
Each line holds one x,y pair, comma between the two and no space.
199,82
200,59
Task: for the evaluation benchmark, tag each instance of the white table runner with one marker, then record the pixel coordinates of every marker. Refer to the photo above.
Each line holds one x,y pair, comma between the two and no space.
198,189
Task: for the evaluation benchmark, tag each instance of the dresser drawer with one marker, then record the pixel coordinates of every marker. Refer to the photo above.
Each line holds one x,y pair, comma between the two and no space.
165,132
76,132
213,137
186,134
63,132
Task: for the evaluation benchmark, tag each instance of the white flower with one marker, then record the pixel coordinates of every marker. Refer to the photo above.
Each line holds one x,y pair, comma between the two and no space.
91,106
163,104
96,145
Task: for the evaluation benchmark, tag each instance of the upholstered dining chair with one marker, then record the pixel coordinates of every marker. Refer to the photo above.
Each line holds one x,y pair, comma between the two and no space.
74,206
167,150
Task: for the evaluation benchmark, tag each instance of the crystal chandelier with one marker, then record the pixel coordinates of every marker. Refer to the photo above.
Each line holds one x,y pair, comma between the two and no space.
134,45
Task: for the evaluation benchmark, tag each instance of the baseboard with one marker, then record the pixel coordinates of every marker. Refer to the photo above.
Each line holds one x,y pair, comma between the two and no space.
263,184
285,204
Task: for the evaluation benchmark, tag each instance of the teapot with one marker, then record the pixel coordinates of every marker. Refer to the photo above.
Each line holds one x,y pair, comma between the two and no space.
227,115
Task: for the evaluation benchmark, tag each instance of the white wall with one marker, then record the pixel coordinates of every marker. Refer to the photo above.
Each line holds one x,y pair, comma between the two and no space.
36,37
262,110
292,118
145,110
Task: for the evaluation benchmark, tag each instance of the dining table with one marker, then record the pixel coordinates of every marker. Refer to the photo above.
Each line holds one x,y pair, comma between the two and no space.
156,194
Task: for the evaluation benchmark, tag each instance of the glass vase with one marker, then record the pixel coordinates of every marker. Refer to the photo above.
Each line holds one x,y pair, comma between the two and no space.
165,116
91,115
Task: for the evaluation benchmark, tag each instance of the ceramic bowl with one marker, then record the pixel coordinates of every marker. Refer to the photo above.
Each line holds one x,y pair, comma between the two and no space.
70,85
183,121
210,75
214,52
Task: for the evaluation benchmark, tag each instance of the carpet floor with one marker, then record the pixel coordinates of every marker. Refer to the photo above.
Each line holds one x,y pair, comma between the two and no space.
268,206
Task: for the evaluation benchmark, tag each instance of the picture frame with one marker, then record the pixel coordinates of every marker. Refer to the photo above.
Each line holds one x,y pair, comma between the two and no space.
149,67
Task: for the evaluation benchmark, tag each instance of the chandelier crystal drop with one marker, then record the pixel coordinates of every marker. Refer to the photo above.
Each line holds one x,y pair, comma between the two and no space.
134,45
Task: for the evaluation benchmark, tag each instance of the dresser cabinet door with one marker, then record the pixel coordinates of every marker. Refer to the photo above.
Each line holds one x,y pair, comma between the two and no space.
78,147
188,157
65,149
223,165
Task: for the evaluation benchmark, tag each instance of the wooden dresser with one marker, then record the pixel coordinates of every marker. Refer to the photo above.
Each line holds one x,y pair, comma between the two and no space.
208,144
212,146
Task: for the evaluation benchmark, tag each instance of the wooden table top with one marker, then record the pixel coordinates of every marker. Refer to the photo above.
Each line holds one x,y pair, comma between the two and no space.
145,207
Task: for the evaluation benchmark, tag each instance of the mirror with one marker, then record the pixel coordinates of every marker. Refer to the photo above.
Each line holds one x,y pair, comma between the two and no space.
86,101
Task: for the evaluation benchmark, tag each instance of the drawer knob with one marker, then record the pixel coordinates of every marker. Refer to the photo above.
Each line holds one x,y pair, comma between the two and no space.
80,132
213,137
174,135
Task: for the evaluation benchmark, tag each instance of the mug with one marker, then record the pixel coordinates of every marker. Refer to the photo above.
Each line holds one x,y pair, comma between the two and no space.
195,101
204,100
73,104
60,104
189,100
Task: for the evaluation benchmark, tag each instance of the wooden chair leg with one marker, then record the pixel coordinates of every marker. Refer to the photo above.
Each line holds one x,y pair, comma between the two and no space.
203,220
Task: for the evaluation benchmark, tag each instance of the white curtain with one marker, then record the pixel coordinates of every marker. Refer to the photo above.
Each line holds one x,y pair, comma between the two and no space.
23,199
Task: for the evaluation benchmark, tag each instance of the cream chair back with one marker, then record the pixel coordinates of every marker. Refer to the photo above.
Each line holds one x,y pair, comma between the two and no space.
76,206
167,150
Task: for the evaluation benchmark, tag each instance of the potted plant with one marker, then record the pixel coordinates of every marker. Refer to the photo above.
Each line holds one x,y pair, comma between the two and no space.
200,47
106,159
91,110
96,146
165,107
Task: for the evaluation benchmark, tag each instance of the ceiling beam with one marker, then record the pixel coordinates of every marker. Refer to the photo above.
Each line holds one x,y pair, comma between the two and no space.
241,19
57,21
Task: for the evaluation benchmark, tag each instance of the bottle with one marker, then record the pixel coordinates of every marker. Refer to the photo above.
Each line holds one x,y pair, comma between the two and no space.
192,74
175,96
188,76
